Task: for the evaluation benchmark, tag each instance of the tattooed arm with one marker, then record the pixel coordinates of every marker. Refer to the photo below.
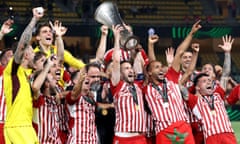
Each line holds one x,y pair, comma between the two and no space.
26,36
227,46
226,67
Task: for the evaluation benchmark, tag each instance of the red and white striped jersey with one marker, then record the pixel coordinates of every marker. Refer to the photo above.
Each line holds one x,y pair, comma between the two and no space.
46,119
149,126
62,112
165,115
130,117
125,56
2,98
191,116
188,84
83,127
213,122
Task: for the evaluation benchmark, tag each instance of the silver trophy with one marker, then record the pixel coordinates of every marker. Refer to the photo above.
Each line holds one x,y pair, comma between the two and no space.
107,14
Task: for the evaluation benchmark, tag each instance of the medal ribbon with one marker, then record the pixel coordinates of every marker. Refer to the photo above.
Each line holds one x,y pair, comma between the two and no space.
162,93
211,105
133,91
89,100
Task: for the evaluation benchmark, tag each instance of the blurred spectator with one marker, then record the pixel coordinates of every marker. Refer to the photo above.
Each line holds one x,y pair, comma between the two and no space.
3,6
50,5
219,9
78,9
50,9
76,4
208,19
187,19
146,9
134,10
87,11
38,3
197,18
232,8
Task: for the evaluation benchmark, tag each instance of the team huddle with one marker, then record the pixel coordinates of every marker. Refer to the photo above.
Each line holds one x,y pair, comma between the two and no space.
122,96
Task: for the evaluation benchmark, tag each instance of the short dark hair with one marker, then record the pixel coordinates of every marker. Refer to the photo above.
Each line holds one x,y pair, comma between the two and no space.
148,67
190,50
93,64
39,26
195,81
126,61
213,66
38,55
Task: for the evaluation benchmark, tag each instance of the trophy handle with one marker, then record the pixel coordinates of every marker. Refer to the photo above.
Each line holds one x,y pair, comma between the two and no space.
107,14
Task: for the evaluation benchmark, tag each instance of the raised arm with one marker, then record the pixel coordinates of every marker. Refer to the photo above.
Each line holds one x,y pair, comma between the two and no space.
191,68
184,45
151,41
6,28
59,31
27,35
226,47
39,80
169,55
138,63
103,43
115,76
75,93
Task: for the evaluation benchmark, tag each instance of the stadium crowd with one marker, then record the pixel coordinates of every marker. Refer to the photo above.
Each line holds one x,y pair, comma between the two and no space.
122,96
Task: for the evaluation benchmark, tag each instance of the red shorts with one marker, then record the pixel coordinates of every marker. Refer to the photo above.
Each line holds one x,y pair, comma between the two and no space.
63,136
2,141
198,137
181,127
228,138
130,140
197,133
151,140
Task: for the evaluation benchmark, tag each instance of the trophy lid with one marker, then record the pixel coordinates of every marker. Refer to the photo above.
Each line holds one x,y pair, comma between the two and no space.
107,14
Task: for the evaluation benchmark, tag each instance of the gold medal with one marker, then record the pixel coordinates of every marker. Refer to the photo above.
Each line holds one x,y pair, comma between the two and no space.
213,112
137,107
104,112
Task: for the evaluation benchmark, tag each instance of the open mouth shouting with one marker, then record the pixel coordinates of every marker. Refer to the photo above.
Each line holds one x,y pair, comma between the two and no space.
58,74
49,39
161,75
209,89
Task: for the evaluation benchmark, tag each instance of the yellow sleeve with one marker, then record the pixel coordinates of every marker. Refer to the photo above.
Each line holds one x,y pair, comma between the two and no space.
48,53
7,83
72,61
68,58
